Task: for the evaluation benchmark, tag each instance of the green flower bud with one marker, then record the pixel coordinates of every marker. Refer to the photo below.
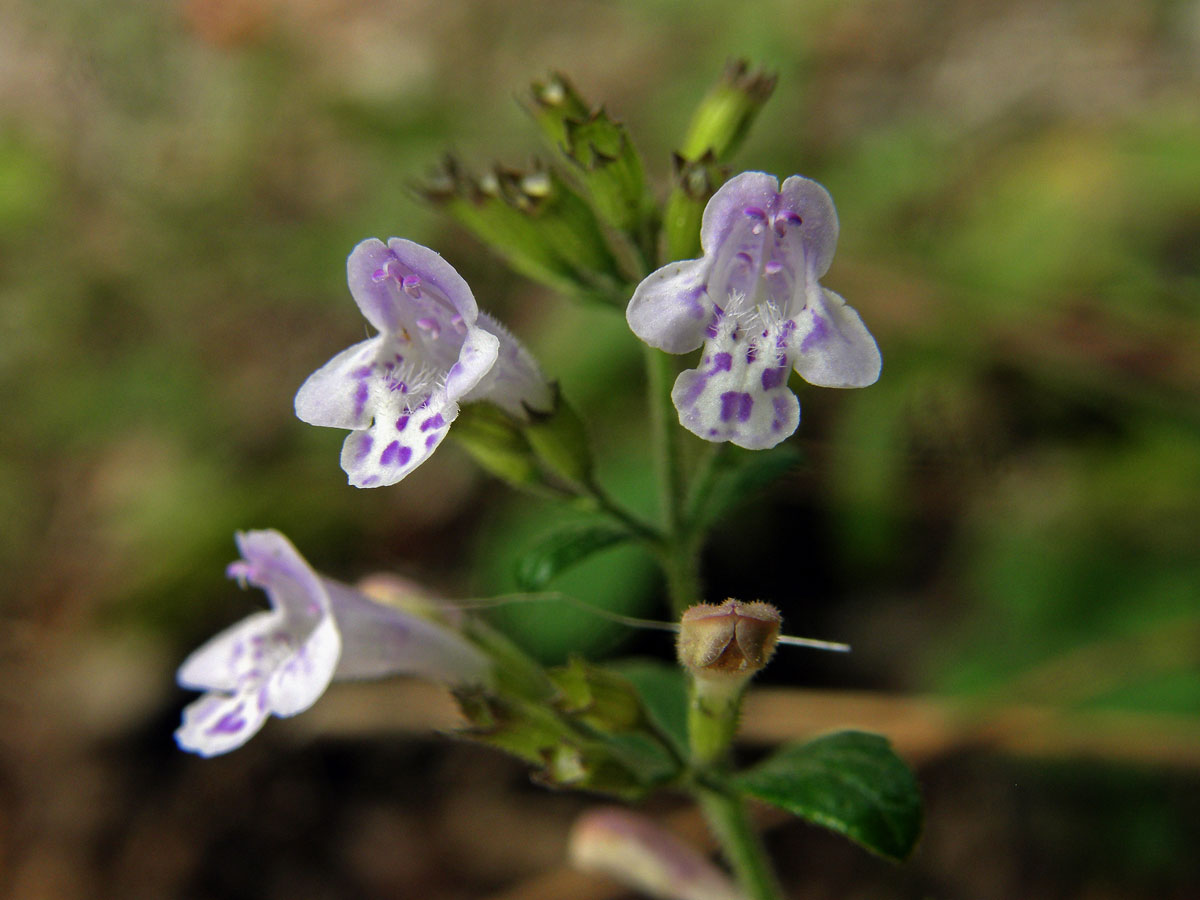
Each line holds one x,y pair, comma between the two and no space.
695,182
552,103
725,115
544,229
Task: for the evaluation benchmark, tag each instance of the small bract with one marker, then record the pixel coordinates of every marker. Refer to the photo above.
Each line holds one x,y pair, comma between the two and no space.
755,302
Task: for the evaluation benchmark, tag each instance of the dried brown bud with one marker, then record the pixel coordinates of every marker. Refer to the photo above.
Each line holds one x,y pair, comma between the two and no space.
733,638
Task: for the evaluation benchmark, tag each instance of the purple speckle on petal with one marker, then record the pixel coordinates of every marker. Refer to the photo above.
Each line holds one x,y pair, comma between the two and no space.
694,390
435,421
405,456
370,480
715,322
402,423
773,378
364,448
362,372
820,331
391,454
781,409
722,362
751,354
360,398
230,723
431,441
736,404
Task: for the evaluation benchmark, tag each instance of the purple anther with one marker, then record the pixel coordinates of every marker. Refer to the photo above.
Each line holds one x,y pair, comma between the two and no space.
744,258
411,285
427,323
755,212
459,324
773,267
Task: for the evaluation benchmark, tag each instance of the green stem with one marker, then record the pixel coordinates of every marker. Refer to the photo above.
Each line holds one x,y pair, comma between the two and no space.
740,843
605,503
679,554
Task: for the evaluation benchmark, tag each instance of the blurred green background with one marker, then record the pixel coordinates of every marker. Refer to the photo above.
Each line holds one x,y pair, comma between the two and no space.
1010,516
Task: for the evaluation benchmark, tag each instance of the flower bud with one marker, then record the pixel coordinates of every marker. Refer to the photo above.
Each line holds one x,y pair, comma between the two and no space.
732,640
725,115
695,181
640,854
552,103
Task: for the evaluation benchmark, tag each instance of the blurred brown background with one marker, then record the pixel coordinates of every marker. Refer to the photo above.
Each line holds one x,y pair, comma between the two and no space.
1006,527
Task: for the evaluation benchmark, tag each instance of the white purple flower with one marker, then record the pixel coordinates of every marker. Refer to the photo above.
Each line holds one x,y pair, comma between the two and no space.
399,391
754,301
281,660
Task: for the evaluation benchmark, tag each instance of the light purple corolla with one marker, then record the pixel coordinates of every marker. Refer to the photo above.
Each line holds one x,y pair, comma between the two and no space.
399,391
754,301
281,660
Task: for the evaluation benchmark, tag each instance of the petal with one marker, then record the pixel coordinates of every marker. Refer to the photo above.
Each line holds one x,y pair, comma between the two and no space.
220,664
834,347
380,640
337,395
271,562
818,226
218,723
398,441
437,274
671,308
476,359
392,283
739,393
302,676
726,208
516,383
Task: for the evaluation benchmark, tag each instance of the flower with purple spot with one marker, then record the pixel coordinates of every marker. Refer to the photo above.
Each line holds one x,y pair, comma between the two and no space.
280,661
399,391
754,301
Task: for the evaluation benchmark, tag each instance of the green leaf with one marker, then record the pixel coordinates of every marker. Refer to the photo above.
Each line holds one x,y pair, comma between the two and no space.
850,782
664,693
563,548
740,478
